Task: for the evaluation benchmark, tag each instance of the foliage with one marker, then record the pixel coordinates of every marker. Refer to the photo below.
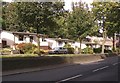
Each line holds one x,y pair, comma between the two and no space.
111,12
35,51
108,13
5,51
10,17
67,45
62,31
108,51
97,50
37,17
118,50
69,48
88,50
26,48
80,22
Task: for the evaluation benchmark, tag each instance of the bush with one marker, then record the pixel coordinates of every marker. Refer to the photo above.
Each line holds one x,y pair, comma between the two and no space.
6,46
35,51
97,50
69,48
6,51
118,50
67,45
26,48
87,50
108,51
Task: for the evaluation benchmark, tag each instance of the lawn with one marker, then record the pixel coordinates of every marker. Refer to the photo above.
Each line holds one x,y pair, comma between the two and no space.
18,55
35,55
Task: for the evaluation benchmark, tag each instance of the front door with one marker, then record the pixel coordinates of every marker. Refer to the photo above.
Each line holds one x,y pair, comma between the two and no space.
4,43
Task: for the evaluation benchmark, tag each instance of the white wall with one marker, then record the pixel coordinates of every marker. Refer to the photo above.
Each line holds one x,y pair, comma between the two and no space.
55,44
7,36
77,44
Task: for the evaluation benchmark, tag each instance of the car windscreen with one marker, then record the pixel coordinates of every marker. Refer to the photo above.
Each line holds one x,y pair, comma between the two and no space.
55,48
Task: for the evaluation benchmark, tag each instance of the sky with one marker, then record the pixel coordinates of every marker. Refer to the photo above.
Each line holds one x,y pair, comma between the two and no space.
68,3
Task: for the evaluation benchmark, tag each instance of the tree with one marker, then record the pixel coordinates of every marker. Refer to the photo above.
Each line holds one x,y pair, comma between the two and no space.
9,16
113,21
36,17
80,22
26,16
108,13
62,30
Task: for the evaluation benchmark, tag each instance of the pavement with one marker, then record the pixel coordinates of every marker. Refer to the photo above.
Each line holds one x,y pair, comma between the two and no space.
27,70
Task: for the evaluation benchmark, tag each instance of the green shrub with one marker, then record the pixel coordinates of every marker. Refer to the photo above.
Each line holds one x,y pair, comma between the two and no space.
67,45
6,46
87,50
69,48
5,51
26,48
97,50
118,50
35,51
108,51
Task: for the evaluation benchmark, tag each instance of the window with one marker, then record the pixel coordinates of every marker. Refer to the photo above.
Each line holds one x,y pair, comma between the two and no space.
43,40
59,42
60,48
66,42
21,37
31,39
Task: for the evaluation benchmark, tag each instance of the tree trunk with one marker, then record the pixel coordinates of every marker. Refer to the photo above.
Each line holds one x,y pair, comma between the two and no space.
38,41
114,42
80,45
103,47
113,48
104,39
104,35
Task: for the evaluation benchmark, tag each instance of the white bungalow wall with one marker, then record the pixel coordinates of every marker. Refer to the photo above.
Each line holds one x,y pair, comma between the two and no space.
9,37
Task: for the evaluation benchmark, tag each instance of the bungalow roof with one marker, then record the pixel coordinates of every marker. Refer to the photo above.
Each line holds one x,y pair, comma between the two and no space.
59,39
27,33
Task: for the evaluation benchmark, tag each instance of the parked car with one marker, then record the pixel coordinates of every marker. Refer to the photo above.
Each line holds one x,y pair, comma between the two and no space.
58,50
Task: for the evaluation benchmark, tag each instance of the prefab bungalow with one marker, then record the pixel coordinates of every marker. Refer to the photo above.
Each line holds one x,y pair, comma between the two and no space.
12,38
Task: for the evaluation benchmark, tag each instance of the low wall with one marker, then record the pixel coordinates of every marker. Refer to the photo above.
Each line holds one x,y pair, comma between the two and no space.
28,62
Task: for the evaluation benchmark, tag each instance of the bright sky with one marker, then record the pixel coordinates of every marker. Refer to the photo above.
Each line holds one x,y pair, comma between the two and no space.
68,3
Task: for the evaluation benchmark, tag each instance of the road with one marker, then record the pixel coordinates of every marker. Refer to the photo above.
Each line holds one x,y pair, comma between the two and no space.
105,70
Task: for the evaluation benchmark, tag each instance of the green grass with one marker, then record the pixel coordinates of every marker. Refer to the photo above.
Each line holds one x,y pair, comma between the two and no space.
18,55
35,55
64,55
